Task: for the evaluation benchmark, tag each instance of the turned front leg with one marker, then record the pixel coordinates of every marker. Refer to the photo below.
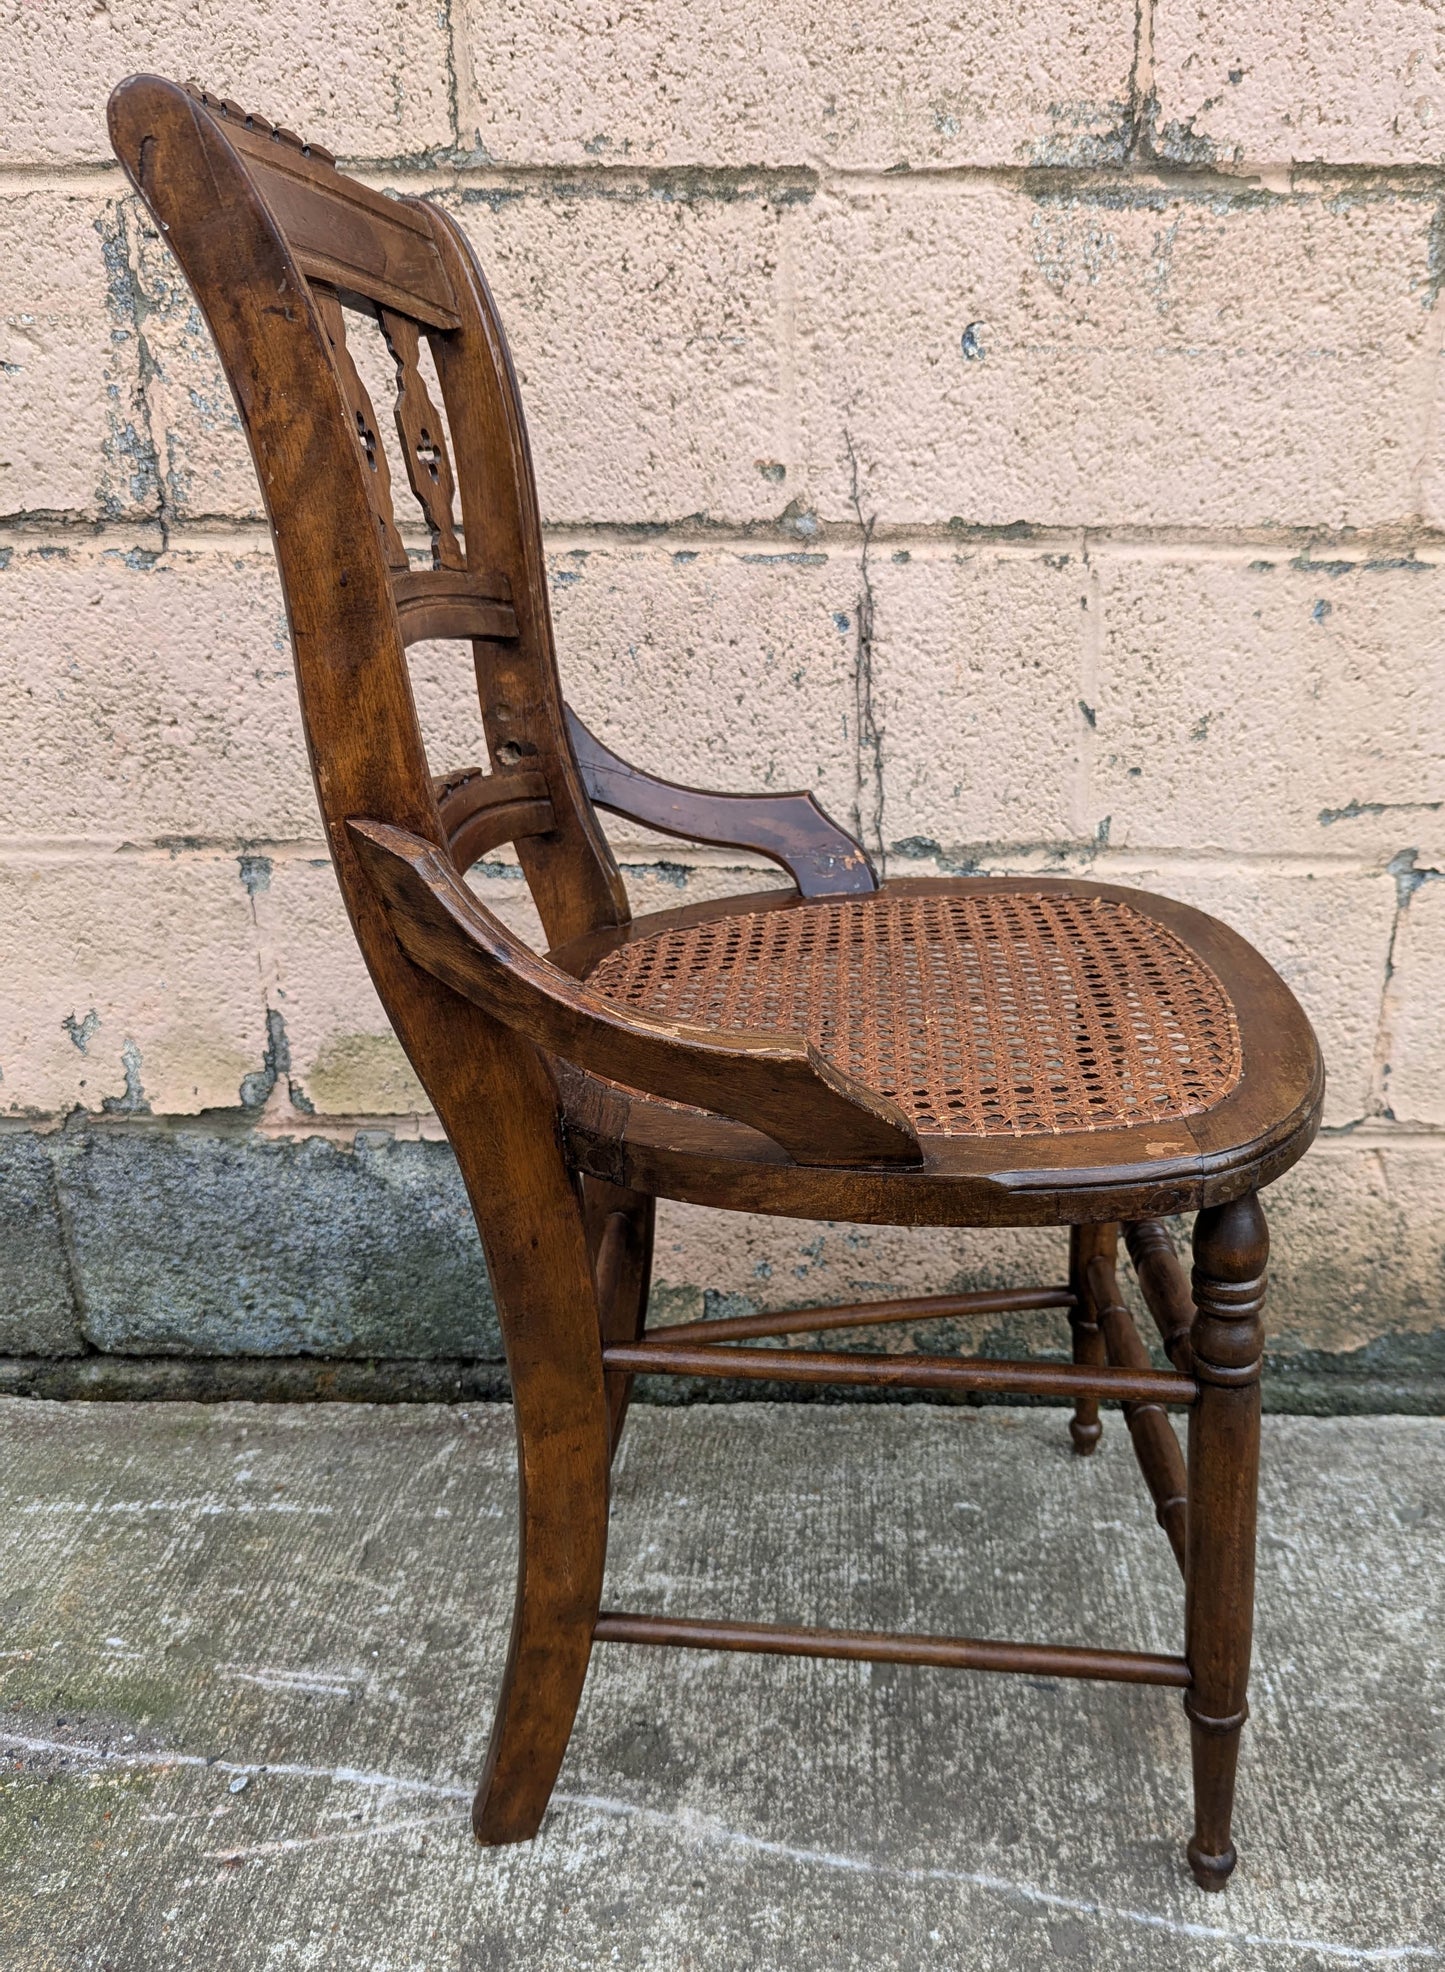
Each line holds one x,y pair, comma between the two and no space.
1231,1246
1087,1243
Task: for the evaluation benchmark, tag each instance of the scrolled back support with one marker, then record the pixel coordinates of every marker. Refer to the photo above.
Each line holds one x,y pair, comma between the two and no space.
789,829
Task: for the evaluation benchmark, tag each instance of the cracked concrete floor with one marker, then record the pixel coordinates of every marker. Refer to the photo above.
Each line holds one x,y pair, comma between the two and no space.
248,1655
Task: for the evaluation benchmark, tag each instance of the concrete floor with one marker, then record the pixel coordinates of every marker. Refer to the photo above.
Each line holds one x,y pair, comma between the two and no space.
247,1657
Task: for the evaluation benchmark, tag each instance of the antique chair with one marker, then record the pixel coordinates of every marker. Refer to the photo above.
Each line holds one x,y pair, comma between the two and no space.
992,1052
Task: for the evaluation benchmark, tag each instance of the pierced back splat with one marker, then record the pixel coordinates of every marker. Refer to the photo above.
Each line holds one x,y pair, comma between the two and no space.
423,438
358,398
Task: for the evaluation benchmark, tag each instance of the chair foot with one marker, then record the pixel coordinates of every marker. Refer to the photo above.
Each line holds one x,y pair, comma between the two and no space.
541,1690
1211,1872
1085,1431
563,1547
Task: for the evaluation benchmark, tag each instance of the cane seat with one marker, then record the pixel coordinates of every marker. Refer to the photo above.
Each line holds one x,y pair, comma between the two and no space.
1016,1012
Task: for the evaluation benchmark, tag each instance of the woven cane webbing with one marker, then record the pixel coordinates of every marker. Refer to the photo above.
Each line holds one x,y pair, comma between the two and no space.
1009,1012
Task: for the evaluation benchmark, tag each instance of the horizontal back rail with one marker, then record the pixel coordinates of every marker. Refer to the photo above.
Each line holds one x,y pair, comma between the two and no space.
455,602
480,811
340,231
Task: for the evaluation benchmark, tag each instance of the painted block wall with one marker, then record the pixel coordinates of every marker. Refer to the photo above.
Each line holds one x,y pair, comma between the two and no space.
1024,428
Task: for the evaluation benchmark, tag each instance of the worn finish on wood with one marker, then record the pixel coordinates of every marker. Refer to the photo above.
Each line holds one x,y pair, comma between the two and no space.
1150,1432
945,1653
1064,1085
479,812
455,602
1165,1290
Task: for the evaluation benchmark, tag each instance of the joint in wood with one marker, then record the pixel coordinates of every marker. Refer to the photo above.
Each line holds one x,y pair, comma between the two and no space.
1228,1376
1205,1723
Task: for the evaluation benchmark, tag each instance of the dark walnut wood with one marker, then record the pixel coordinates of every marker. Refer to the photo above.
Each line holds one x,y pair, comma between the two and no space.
1002,1052
951,1653
1231,1248
790,829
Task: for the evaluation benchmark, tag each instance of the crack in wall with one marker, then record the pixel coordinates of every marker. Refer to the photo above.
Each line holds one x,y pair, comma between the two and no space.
133,1102
272,1084
867,733
1409,878
1379,546
449,57
1143,105
1091,610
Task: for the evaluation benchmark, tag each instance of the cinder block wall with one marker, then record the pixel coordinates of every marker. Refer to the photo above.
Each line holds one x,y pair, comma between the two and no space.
1020,424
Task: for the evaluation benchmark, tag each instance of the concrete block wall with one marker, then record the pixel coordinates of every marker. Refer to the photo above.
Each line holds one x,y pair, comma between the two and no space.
1023,428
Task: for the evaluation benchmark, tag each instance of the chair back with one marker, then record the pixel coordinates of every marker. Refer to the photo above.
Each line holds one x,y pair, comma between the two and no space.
292,262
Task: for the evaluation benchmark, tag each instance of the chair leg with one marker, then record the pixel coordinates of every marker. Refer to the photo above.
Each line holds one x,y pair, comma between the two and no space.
564,1450
530,1209
1087,1243
1231,1247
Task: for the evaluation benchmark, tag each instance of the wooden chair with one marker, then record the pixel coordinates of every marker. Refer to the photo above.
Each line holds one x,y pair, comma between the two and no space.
998,1052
